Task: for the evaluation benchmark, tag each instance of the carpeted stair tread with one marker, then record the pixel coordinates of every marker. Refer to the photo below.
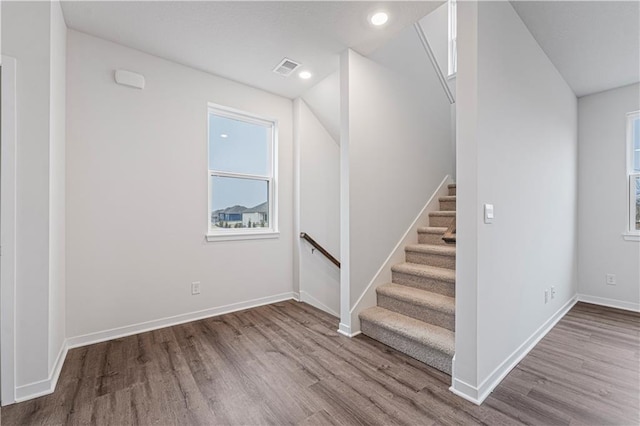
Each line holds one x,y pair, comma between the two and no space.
451,185
421,298
432,230
447,198
432,249
443,213
421,332
425,271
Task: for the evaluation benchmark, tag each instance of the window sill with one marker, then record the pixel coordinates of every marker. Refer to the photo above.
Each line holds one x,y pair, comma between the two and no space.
627,236
244,236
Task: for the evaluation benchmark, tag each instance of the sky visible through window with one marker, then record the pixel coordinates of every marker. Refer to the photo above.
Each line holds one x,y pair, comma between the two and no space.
238,147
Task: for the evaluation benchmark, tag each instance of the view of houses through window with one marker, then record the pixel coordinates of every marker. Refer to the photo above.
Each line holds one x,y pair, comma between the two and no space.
241,178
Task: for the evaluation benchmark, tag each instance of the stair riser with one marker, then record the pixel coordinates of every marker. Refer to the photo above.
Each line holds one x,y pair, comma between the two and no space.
424,283
438,261
440,221
418,312
414,349
448,206
435,239
452,191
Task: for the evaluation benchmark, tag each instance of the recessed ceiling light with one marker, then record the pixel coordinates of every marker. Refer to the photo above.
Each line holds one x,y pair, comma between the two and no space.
224,136
379,18
305,75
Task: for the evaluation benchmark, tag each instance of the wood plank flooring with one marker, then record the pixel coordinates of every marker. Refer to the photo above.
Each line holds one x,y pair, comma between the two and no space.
285,364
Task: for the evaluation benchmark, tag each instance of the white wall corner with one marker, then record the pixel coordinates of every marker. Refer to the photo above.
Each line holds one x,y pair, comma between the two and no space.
368,298
345,330
478,394
309,299
296,196
345,243
8,206
47,386
611,303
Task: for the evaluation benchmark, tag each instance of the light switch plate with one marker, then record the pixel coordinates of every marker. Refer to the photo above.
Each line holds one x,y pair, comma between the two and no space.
488,213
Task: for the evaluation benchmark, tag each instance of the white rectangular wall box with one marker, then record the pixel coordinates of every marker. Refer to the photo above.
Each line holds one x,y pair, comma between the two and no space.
488,213
129,78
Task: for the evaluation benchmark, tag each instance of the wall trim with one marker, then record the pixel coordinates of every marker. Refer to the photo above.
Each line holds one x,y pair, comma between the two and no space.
307,298
128,330
611,303
345,330
383,275
47,386
477,395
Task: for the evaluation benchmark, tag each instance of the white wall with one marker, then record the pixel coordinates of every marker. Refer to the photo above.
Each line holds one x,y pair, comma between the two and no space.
323,99
33,34
517,149
436,27
603,200
57,174
319,210
137,193
396,144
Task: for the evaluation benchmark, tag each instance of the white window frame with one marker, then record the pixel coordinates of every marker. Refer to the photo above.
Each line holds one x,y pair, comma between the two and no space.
452,68
230,234
631,234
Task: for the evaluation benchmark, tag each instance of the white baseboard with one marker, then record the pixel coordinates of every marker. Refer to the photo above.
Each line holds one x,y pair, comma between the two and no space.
115,333
307,298
611,303
345,330
477,395
43,387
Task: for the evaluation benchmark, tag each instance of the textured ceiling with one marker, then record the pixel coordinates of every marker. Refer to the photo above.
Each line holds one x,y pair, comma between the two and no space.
595,45
244,41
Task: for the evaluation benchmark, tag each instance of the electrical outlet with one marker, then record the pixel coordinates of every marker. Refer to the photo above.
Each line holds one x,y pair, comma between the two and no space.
546,296
611,279
553,292
195,287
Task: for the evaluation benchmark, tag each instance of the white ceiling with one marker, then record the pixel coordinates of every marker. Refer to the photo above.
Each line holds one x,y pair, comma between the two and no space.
244,41
594,44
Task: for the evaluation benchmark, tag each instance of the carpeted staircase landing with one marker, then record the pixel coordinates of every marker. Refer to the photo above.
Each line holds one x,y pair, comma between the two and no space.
416,311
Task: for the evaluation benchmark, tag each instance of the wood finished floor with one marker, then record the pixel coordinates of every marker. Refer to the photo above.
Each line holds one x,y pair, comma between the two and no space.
285,364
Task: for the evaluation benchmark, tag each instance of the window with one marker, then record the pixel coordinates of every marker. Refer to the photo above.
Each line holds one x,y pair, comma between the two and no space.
242,178
633,166
453,34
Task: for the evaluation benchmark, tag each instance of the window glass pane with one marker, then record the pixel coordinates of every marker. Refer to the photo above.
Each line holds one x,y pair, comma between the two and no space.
239,203
637,187
238,147
635,141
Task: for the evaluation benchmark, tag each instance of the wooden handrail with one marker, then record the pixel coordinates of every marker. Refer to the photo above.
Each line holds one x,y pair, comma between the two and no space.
318,247
450,234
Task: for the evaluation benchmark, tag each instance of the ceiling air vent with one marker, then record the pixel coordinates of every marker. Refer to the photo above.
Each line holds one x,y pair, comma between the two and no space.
286,67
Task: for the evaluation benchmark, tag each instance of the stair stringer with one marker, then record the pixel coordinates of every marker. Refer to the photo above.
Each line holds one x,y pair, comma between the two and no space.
368,298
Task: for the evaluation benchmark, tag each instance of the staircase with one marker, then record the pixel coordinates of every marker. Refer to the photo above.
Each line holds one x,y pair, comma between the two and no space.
416,311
